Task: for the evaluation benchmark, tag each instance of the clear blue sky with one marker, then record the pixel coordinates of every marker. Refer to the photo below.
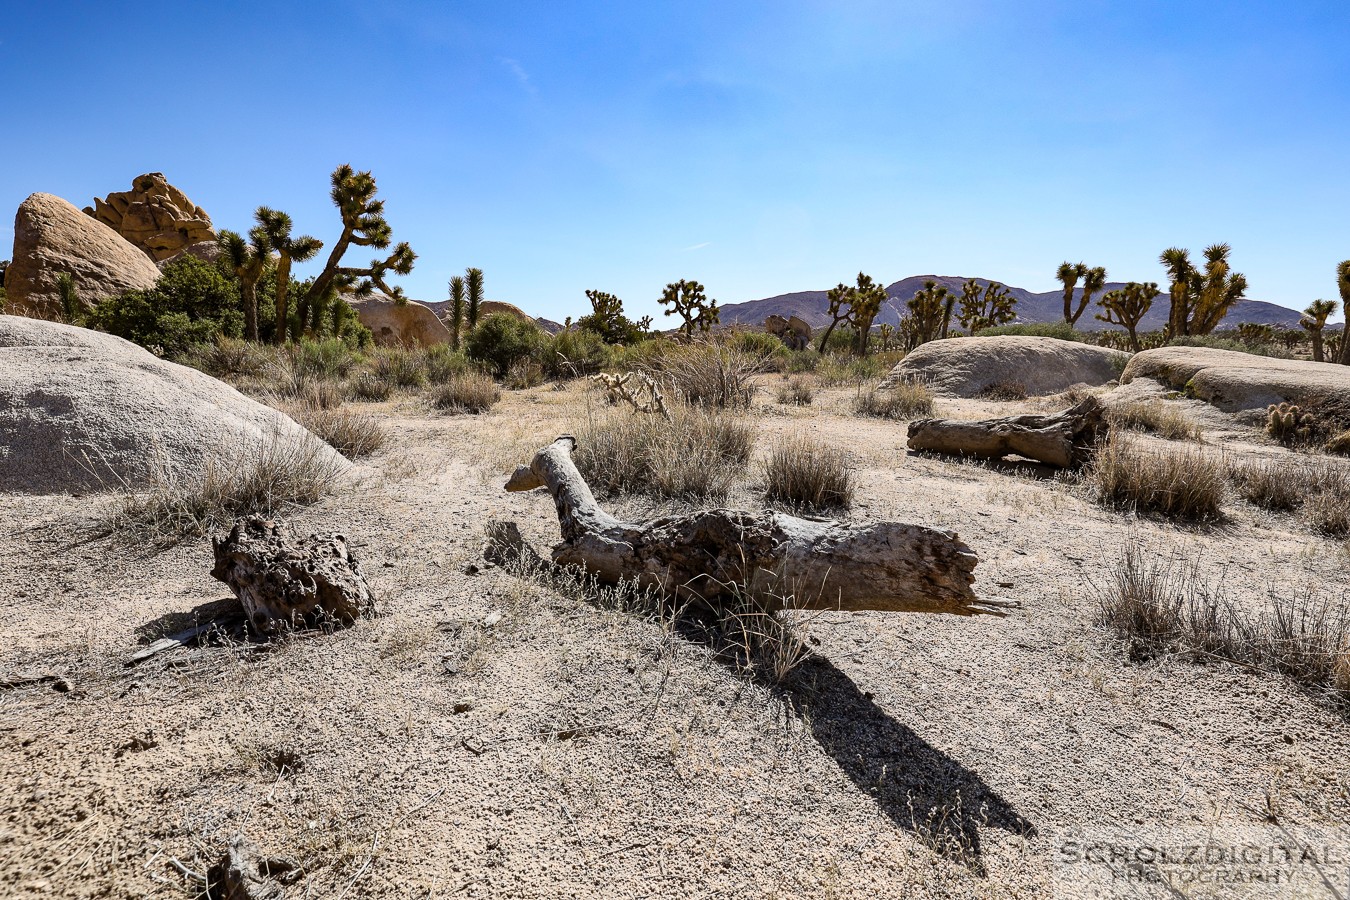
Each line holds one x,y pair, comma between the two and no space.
757,147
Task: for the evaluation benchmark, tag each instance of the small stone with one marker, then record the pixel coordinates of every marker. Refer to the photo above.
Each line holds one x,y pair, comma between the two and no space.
492,618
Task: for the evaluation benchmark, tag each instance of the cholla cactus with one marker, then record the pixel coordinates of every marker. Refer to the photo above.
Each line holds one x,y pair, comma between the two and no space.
1289,424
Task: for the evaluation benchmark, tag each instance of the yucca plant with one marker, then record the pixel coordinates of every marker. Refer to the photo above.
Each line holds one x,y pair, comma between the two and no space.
1314,320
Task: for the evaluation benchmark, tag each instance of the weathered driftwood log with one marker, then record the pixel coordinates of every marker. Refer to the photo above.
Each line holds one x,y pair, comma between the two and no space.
1066,439
244,874
720,554
283,582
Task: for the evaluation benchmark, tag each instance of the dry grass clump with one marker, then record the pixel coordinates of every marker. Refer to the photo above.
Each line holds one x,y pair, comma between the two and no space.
352,434
901,401
1319,488
1183,484
796,391
1161,606
834,371
698,455
1004,392
1156,416
370,388
468,392
230,358
1339,443
707,374
398,367
281,473
802,472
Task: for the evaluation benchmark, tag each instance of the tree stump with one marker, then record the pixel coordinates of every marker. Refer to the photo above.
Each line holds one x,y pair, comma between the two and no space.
1066,439
719,556
283,583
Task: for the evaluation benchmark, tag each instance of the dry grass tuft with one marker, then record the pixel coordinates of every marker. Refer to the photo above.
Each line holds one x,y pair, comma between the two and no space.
796,391
1155,416
370,388
282,473
708,374
902,401
1004,392
1339,443
467,392
1320,488
398,367
1161,606
352,434
1183,484
698,455
802,472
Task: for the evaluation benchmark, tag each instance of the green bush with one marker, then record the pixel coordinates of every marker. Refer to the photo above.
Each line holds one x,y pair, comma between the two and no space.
327,359
574,353
444,363
500,340
192,303
761,345
1062,330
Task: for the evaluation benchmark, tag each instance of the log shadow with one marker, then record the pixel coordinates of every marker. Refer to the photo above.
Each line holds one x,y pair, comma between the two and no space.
1009,465
921,789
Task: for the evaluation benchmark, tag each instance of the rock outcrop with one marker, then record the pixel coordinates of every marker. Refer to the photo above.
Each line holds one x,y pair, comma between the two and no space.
1238,382
154,216
968,367
83,410
409,324
52,237
792,331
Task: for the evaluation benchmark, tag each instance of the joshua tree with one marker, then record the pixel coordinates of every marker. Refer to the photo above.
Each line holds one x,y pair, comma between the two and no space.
930,313
886,332
363,225
1093,282
608,321
277,227
456,309
1200,299
1314,320
841,309
1068,274
473,280
1128,306
689,300
1343,285
248,259
867,299
992,308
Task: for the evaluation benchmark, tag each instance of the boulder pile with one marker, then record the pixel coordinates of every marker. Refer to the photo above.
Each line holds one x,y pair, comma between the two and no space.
154,216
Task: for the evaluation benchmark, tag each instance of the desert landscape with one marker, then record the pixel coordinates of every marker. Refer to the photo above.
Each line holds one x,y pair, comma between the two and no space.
432,525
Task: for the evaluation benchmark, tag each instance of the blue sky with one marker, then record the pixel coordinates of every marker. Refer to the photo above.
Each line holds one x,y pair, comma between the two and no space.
757,147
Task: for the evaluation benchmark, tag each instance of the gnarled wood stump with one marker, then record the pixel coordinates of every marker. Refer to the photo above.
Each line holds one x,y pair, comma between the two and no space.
282,582
723,554
1066,439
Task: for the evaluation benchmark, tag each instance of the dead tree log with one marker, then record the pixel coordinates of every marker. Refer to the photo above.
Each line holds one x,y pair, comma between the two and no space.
282,582
1066,439
723,555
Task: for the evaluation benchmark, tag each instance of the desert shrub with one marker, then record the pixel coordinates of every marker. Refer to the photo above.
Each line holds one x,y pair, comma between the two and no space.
696,456
500,340
575,353
1339,443
644,356
524,373
707,374
802,472
1175,483
837,369
1156,416
1004,392
192,303
840,342
1160,605
398,367
329,359
227,357
442,362
468,392
1221,342
1320,488
352,434
903,400
1268,484
282,473
369,387
800,362
769,349
1062,330
797,391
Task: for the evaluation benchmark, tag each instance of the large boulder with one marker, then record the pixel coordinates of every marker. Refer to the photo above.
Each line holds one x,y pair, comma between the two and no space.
82,410
407,324
51,236
1237,382
970,366
155,216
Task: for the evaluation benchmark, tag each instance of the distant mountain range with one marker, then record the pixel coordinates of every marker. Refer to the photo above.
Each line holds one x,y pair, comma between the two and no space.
813,306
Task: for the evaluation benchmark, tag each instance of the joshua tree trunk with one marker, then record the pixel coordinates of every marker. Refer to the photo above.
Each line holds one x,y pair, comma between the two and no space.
719,555
248,292
283,283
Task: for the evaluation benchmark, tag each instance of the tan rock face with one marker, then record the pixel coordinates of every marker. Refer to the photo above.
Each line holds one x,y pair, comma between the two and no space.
968,366
1240,382
409,325
51,236
155,216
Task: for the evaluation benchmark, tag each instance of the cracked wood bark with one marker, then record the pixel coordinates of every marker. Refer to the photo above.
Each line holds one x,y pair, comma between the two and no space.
284,582
712,555
1066,439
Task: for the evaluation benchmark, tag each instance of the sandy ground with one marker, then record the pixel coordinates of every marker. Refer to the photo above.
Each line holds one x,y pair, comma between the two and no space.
488,737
